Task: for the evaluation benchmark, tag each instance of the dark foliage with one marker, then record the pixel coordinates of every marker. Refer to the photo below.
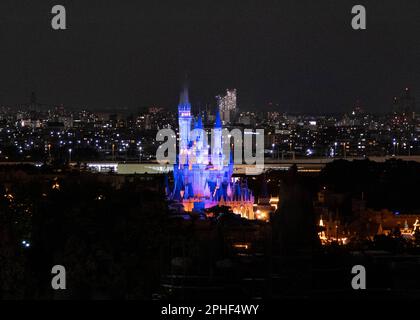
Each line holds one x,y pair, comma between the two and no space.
108,239
392,184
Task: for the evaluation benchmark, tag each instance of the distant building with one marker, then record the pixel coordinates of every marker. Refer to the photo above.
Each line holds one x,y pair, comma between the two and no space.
266,204
384,222
405,104
227,105
155,109
246,119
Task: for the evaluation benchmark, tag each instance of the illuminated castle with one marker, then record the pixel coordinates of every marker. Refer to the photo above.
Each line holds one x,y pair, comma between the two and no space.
203,177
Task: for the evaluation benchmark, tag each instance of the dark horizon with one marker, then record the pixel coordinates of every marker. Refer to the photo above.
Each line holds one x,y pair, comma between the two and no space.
301,56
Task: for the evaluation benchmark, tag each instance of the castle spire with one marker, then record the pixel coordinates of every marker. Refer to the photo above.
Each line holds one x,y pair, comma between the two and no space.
184,96
199,123
218,122
184,119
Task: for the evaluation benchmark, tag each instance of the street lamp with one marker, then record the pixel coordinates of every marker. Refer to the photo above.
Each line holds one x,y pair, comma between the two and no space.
70,150
345,150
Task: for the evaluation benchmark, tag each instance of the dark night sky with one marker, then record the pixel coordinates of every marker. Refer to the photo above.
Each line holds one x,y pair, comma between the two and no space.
303,55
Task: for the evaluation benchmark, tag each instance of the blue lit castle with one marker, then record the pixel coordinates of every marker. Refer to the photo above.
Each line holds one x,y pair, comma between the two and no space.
202,177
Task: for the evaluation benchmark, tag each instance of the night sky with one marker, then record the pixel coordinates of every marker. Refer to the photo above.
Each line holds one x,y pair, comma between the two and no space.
299,55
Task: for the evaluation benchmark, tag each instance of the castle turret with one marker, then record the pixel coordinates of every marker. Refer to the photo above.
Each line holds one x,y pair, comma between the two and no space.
217,151
184,120
200,147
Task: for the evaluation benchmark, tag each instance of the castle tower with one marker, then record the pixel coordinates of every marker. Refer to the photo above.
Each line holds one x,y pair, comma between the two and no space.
217,148
199,141
184,120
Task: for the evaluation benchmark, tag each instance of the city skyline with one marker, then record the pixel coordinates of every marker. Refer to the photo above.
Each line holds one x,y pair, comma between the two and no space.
187,152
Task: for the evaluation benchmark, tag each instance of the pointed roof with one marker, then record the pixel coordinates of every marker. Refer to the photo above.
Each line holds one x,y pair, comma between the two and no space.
199,123
218,122
184,96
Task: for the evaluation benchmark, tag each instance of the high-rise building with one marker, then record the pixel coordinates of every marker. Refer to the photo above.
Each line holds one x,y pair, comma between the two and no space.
405,104
227,105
